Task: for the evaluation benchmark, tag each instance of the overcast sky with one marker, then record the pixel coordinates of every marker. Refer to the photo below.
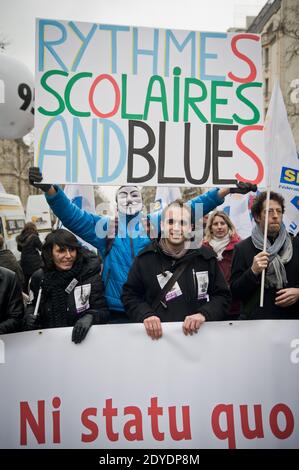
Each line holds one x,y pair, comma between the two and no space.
17,18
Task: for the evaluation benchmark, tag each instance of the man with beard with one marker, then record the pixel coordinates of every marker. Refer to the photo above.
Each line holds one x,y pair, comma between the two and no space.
280,260
119,240
172,282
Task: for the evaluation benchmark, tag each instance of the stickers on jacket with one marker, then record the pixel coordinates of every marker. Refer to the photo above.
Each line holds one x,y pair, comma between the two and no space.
81,295
172,293
202,280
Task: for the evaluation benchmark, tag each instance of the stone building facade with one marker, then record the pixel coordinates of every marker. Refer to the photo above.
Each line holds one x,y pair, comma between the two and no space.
15,159
278,24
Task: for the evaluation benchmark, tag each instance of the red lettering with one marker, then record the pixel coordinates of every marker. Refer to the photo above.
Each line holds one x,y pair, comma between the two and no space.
252,75
109,412
136,423
154,411
186,432
116,91
258,431
229,432
251,154
91,425
289,418
37,427
56,420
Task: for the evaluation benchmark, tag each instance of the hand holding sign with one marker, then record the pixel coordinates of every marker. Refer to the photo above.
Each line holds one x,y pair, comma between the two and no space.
243,188
35,177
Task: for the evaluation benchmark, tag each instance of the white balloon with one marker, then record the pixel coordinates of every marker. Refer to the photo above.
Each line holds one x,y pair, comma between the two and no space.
16,98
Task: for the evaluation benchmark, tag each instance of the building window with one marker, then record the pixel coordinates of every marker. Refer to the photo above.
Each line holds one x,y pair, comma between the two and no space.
266,57
266,91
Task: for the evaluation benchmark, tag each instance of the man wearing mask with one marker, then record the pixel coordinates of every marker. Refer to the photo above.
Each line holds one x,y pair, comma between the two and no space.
281,261
119,241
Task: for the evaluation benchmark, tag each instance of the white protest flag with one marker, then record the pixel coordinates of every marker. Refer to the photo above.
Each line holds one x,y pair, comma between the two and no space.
83,197
165,195
282,158
237,207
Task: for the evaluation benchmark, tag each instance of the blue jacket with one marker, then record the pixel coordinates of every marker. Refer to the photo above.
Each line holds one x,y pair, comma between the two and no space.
128,241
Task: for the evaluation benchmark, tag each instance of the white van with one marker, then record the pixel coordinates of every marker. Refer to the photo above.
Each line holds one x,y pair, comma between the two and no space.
38,212
12,220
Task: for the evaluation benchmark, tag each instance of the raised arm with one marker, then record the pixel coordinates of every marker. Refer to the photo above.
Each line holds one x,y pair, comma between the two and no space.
90,227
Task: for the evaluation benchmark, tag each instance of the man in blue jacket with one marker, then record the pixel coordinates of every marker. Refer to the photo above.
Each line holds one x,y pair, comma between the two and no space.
119,251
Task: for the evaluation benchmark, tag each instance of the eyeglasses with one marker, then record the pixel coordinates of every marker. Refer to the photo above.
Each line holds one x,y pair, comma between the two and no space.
272,211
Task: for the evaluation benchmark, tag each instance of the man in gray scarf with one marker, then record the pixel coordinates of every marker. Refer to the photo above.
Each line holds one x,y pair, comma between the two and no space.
281,261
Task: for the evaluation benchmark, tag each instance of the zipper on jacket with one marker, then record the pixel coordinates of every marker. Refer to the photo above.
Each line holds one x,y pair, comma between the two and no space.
132,247
195,284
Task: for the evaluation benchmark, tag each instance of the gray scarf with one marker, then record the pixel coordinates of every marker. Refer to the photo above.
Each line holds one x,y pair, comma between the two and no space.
169,251
219,245
280,252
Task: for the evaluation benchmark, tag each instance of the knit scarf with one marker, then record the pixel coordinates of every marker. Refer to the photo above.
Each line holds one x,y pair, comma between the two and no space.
281,252
219,245
169,251
54,284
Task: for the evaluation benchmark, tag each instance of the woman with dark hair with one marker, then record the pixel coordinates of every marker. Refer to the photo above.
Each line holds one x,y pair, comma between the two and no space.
221,236
68,291
30,246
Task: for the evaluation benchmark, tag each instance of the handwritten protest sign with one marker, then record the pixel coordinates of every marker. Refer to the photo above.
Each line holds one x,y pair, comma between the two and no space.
120,104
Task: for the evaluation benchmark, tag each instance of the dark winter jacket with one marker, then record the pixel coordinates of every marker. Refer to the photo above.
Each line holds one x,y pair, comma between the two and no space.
202,288
226,266
31,260
245,285
86,297
11,302
9,261
94,228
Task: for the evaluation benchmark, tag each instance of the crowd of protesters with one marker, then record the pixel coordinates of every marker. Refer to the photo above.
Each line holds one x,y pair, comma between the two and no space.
134,278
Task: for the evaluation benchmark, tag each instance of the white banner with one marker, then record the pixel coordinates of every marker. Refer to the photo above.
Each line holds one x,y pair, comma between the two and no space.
232,385
121,104
83,197
282,158
237,207
165,195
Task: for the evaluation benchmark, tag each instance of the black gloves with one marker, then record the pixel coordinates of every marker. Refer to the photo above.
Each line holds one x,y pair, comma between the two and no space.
30,321
35,176
243,188
81,328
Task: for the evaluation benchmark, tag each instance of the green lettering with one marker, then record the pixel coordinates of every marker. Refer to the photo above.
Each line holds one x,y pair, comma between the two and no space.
256,113
124,114
68,90
44,84
189,101
159,99
176,93
218,101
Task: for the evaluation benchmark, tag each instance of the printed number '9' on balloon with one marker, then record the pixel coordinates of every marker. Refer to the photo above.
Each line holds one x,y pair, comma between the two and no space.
16,98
